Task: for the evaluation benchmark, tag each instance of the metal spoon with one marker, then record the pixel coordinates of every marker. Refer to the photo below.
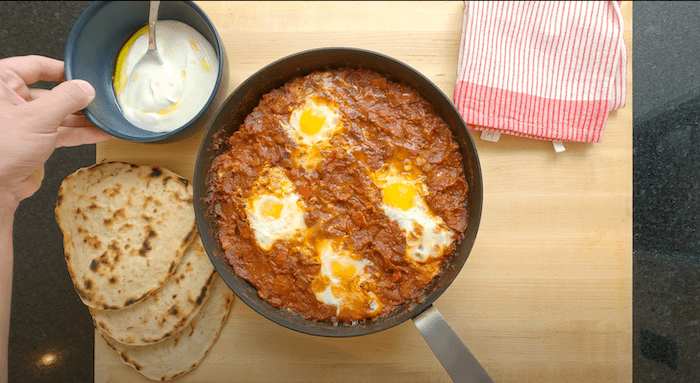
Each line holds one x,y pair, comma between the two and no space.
151,56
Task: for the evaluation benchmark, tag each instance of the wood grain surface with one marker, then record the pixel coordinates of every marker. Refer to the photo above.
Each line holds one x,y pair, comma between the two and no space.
546,295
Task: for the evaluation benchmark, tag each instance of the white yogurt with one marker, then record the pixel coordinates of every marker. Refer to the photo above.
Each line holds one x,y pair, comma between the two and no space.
162,99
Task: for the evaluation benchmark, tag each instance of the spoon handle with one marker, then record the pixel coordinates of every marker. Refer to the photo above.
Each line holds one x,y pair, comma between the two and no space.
152,18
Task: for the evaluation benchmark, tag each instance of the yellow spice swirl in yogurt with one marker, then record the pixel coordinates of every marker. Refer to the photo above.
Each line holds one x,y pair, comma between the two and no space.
162,99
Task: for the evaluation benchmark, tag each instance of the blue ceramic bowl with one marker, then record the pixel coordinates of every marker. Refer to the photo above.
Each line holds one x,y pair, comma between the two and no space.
91,54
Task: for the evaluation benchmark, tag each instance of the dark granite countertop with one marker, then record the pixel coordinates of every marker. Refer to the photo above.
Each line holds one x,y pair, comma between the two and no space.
666,322
48,317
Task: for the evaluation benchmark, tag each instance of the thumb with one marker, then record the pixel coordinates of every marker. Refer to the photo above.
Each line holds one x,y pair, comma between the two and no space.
64,99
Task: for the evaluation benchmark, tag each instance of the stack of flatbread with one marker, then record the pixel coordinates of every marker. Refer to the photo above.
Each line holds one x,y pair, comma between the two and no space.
134,255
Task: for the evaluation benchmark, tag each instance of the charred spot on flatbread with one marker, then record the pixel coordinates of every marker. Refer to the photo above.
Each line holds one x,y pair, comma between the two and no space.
173,310
109,258
126,359
156,172
190,235
113,191
119,214
101,324
203,293
79,213
92,240
130,302
146,245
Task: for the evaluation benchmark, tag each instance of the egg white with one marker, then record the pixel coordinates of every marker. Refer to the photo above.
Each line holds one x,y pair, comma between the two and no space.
274,188
427,235
342,288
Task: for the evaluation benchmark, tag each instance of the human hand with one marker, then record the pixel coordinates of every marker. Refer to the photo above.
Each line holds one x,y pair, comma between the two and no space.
34,122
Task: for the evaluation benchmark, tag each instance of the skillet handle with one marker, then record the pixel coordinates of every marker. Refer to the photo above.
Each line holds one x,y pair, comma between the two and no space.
455,357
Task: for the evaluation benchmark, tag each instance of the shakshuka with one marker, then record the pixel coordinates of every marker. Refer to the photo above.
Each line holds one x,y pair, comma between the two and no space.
340,197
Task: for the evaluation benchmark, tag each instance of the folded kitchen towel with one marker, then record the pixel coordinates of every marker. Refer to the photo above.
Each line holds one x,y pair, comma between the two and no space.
551,70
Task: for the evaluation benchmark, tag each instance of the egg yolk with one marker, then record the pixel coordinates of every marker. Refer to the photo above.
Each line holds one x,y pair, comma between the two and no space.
320,284
399,195
271,209
311,122
343,270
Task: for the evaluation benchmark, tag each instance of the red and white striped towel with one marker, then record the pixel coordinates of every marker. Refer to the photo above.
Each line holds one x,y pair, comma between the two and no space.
551,70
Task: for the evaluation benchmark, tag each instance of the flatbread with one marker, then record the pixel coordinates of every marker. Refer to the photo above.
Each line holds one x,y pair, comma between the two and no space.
166,311
125,228
183,351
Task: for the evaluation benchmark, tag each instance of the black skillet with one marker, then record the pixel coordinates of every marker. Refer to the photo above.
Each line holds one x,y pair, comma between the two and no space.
453,354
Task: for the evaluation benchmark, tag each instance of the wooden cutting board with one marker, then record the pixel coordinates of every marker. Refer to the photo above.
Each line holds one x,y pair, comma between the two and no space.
546,295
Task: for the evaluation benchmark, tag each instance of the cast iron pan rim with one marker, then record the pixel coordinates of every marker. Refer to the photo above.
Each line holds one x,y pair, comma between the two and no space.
277,315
